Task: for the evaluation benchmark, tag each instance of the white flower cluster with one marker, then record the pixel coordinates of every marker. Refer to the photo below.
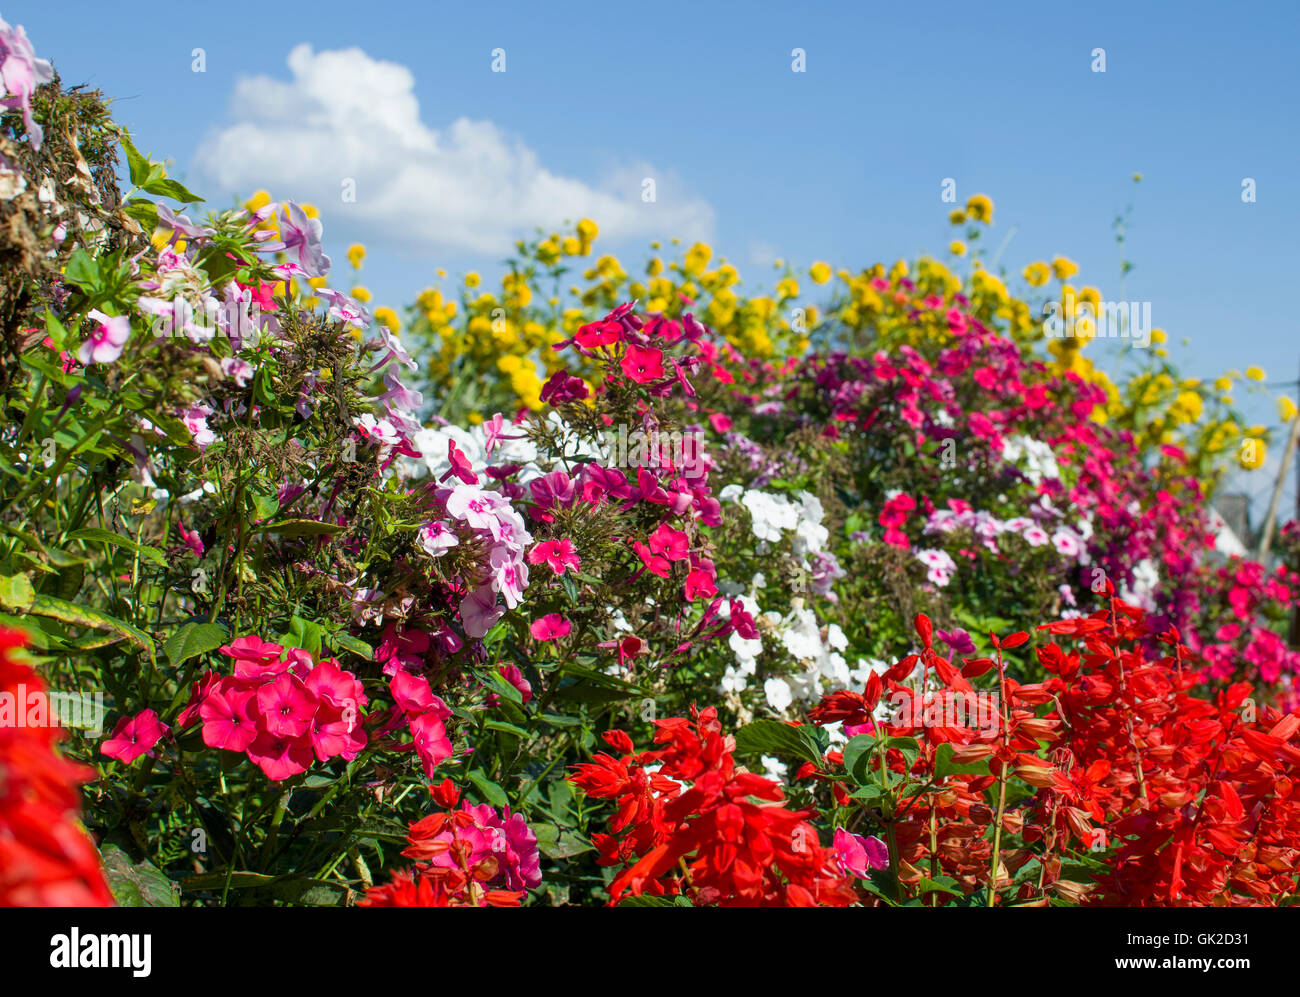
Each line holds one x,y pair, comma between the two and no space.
1039,461
822,668
1146,577
773,515
510,448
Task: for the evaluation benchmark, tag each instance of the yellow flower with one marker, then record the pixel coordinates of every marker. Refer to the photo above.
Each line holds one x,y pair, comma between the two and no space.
571,246
549,251
259,200
1063,268
697,258
1186,408
1038,274
980,209
356,253
957,247
1158,336
588,230
788,288
957,217
472,279
504,334
517,292
1255,373
1253,453
388,317
474,418
1223,384
1286,409
820,273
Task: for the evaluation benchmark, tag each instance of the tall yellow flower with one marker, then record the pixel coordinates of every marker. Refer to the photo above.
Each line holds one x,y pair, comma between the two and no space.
1037,274
1064,268
980,209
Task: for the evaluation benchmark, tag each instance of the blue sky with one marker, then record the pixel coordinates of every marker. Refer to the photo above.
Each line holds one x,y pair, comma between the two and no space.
843,162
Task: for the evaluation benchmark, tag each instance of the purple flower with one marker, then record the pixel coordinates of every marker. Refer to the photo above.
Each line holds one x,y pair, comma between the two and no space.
563,387
105,344
301,235
550,490
181,224
958,640
479,611
858,855
343,308
513,843
20,73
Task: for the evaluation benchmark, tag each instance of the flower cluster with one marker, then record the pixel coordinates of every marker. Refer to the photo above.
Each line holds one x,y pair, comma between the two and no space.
473,856
46,859
280,707
688,824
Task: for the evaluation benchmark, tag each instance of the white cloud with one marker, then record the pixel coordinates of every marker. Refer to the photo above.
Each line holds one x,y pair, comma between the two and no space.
468,186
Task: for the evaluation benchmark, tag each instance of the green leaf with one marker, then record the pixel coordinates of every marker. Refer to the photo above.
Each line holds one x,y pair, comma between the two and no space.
217,881
304,634
868,793
299,528
498,682
265,506
137,884
136,163
559,720
349,643
193,639
944,884
944,765
82,270
555,843
54,329
84,616
311,892
648,901
145,212
164,187
909,746
96,535
493,793
16,592
884,884
506,728
857,753
771,737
